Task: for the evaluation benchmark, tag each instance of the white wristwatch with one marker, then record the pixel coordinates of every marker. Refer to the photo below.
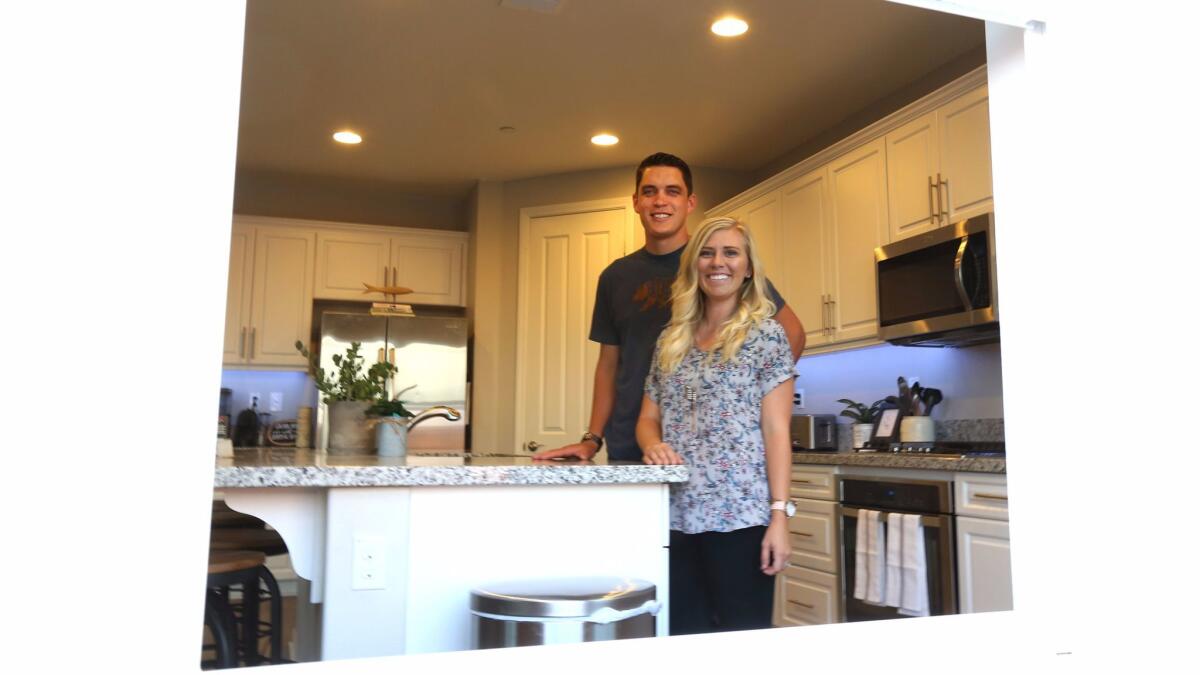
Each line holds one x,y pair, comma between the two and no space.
788,507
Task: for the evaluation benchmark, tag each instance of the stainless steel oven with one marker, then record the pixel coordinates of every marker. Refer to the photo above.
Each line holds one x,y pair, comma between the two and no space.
932,500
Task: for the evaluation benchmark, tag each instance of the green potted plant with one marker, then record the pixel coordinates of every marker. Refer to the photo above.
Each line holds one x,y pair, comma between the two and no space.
864,419
349,394
391,421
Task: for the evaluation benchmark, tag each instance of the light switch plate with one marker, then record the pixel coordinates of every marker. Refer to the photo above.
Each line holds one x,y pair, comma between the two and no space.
276,401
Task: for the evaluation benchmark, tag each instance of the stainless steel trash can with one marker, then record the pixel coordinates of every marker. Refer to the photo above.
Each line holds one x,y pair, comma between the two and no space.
562,611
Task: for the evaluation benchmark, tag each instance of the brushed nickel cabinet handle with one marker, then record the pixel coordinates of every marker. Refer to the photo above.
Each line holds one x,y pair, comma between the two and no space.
832,316
385,276
803,534
984,495
933,215
804,605
395,277
253,341
802,480
242,343
946,211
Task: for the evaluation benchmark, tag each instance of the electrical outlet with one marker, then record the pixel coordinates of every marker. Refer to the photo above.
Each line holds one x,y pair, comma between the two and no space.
367,567
254,396
276,401
798,399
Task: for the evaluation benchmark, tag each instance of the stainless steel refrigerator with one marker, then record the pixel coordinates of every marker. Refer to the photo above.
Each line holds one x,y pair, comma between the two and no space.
430,355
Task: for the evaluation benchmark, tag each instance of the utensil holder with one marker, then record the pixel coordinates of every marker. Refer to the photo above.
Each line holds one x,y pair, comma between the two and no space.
916,430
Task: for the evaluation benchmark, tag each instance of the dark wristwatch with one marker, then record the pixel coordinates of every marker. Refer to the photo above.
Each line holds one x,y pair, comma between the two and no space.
589,436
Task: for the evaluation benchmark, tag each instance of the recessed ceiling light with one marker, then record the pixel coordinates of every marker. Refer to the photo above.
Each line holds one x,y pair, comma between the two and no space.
730,27
605,139
347,137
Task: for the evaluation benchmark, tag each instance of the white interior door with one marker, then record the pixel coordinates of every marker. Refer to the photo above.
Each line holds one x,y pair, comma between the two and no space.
563,250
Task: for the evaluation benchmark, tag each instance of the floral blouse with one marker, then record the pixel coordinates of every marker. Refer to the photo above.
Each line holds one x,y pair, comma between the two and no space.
712,416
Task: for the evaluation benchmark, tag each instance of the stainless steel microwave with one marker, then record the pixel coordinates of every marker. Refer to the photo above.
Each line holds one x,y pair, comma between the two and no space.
938,288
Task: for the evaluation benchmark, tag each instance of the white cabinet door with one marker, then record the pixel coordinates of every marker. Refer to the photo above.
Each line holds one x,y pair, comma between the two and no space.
762,217
984,565
805,219
348,259
237,294
858,183
966,152
808,597
912,165
432,266
281,308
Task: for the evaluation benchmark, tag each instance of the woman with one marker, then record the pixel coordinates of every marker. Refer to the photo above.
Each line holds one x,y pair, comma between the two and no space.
718,399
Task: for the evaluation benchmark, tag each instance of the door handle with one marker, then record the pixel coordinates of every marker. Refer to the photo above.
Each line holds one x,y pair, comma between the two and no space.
933,214
532,446
945,212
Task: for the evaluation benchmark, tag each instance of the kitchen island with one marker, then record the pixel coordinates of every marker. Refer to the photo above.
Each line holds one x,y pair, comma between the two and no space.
391,548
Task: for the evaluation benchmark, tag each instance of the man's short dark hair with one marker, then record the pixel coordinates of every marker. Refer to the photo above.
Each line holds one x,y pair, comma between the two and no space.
664,159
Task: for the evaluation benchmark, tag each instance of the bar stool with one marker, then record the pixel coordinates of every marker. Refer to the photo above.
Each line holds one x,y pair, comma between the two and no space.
226,569
267,543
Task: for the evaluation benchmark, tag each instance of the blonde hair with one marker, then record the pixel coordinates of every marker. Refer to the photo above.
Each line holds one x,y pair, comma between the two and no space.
687,301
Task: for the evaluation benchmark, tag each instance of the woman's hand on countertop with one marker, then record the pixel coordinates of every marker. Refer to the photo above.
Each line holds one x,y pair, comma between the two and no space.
661,453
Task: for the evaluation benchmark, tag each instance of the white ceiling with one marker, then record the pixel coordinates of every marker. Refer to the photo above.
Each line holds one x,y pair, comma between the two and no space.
428,83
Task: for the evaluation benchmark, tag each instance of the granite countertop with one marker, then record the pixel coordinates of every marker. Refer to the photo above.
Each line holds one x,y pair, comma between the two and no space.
903,461
287,467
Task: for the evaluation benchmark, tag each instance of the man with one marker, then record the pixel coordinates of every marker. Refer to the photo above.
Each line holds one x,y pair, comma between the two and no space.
633,304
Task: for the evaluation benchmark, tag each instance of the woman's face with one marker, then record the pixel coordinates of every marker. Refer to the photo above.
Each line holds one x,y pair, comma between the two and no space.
722,264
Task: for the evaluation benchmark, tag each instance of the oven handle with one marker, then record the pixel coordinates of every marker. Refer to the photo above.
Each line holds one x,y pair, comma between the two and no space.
940,520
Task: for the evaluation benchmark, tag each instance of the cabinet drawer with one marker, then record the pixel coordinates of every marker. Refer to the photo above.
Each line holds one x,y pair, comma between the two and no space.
808,597
813,482
981,496
813,534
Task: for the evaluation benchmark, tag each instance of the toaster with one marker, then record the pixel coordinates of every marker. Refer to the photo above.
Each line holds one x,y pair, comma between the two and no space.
814,432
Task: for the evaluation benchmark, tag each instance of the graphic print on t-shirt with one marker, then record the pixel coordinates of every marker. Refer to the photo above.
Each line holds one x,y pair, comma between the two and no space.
653,293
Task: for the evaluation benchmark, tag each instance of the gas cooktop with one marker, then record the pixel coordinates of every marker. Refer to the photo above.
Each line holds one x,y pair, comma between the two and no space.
950,448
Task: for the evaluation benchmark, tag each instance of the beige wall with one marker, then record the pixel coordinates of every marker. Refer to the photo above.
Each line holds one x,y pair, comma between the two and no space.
287,195
496,210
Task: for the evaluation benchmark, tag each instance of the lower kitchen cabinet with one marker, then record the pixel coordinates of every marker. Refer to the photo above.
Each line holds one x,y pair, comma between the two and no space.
984,566
808,591
984,560
805,597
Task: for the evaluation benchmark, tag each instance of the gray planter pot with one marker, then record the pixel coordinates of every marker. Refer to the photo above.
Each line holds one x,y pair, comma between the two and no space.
349,433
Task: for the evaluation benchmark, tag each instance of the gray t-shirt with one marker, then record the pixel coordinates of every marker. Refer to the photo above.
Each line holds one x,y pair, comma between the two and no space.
633,305
718,431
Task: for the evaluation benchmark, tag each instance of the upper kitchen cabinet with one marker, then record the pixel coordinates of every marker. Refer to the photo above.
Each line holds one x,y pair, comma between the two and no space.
431,263
269,296
939,166
830,222
761,216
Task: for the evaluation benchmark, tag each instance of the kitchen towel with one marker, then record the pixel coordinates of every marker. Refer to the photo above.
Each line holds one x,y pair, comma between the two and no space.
876,545
860,555
914,592
894,562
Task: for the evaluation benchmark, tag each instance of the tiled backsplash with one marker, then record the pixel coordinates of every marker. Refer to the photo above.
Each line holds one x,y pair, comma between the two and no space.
974,430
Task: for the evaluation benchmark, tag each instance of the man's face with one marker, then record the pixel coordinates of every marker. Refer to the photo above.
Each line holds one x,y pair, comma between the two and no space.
663,203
